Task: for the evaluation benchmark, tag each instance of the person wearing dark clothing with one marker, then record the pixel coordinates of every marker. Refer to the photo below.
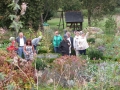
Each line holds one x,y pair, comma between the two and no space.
64,46
70,39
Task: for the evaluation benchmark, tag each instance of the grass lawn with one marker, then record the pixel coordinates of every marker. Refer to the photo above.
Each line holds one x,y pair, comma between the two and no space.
54,22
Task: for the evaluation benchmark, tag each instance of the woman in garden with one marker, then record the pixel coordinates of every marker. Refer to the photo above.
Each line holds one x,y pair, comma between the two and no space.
29,50
76,44
12,48
70,39
64,46
83,43
56,41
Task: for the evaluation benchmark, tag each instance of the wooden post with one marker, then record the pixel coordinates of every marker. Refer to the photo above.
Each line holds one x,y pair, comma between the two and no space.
63,19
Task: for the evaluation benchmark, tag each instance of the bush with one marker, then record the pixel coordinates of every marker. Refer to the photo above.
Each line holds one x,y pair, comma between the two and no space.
94,54
91,40
110,26
40,64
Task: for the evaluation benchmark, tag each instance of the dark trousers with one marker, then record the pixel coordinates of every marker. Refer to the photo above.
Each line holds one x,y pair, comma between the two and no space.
56,49
35,48
82,52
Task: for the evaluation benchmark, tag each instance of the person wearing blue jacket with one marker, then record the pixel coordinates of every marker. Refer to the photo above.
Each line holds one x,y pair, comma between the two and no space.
56,41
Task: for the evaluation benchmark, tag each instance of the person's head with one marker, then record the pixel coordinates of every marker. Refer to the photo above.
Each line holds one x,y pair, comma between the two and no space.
28,42
40,37
82,33
56,33
68,34
65,37
77,33
21,35
12,38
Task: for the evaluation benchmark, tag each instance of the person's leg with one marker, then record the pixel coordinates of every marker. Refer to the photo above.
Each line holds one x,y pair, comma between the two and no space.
35,48
81,52
55,49
77,52
84,52
20,50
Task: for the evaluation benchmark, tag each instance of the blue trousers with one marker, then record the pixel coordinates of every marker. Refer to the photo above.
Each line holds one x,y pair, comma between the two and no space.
56,49
20,51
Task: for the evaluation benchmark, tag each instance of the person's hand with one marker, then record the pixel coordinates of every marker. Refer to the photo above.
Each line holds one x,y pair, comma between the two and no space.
26,53
35,54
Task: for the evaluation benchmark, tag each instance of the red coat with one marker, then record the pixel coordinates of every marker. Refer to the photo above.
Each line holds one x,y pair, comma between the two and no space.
12,47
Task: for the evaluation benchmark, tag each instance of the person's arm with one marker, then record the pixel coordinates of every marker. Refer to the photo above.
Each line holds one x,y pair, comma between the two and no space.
33,49
53,41
74,43
86,34
24,49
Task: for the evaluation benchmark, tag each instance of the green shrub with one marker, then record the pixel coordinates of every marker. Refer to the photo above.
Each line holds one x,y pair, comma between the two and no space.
6,41
94,54
40,64
91,40
110,25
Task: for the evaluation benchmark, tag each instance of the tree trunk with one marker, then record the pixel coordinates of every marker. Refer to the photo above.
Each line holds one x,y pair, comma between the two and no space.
89,17
41,23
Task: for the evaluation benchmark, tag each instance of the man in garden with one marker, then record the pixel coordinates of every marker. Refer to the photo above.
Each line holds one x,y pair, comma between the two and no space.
35,42
21,40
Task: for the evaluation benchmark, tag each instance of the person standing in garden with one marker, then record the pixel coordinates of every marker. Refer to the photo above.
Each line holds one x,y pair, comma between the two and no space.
56,41
70,39
35,42
76,43
12,48
83,43
29,50
21,40
64,46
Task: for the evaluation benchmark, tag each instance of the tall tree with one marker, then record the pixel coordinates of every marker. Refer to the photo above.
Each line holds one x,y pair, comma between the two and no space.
4,13
35,10
95,8
98,8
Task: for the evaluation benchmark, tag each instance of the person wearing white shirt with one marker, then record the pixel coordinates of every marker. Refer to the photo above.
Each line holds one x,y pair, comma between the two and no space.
76,44
83,45
21,40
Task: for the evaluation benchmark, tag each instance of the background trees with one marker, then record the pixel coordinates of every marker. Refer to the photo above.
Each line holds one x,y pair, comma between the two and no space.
39,11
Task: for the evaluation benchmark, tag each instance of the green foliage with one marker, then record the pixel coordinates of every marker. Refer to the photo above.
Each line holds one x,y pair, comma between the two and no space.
94,54
91,40
14,6
112,49
10,87
104,76
72,5
99,42
46,42
110,26
2,76
40,64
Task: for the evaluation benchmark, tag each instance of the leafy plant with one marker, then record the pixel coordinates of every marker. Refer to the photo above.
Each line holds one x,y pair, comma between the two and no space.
110,25
91,40
94,54
40,64
14,74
